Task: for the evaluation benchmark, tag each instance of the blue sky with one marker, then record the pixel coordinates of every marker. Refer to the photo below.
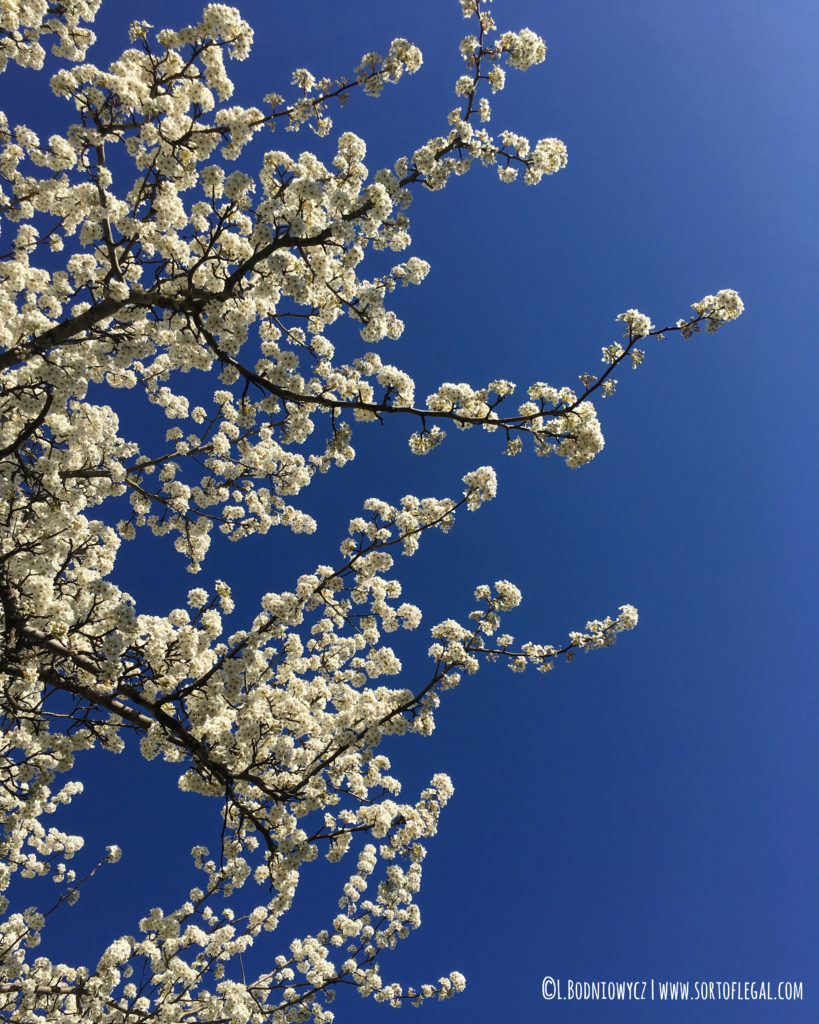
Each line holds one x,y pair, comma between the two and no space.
648,811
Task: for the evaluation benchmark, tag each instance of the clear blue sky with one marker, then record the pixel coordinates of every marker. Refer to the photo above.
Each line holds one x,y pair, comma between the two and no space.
648,811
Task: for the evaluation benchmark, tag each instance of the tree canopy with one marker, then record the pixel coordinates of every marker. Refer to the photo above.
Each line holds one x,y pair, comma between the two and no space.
147,260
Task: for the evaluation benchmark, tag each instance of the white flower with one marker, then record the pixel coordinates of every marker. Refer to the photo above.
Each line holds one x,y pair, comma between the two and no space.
481,486
638,324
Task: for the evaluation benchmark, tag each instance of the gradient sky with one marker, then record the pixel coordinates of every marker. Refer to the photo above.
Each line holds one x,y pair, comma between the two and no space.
648,811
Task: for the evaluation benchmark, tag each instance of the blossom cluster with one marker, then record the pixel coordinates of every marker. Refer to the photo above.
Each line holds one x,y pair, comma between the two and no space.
715,310
23,22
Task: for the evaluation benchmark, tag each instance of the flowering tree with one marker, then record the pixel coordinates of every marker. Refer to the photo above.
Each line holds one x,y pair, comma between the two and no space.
213,293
